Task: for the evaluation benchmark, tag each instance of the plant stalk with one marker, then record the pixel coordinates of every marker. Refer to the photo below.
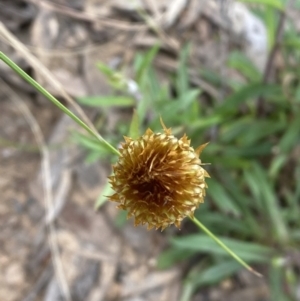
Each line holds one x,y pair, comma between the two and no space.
55,101
224,247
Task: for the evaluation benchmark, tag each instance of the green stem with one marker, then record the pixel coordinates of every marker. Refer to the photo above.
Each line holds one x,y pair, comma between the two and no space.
222,245
56,102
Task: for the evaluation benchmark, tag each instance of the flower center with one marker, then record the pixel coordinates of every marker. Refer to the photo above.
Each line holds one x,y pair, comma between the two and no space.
152,190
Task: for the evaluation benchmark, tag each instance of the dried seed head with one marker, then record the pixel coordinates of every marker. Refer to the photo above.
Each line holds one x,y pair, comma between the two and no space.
158,179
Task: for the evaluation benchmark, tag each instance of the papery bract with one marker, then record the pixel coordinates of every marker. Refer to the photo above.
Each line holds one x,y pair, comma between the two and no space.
158,179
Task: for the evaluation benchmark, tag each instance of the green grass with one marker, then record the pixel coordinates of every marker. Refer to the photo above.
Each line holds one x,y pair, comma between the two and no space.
254,192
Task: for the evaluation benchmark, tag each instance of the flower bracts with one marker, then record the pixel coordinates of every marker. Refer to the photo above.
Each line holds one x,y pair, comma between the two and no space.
158,179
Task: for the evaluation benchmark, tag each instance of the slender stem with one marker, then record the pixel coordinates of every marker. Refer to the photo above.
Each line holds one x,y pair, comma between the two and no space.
222,245
56,102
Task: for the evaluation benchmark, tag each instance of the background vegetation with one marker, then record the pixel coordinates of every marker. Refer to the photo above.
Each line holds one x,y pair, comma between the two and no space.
254,191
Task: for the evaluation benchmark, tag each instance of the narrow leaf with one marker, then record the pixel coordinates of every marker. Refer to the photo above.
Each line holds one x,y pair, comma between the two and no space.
273,3
107,101
107,190
250,252
243,64
168,258
222,199
134,131
216,273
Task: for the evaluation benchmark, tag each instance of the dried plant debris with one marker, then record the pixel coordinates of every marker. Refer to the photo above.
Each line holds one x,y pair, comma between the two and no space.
17,14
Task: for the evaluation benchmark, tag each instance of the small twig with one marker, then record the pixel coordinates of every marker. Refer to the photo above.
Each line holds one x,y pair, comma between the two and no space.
65,52
88,17
171,42
42,280
60,197
96,256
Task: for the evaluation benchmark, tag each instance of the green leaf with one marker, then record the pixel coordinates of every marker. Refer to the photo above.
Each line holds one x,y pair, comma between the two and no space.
204,122
250,226
243,64
216,273
220,223
199,277
107,190
221,198
148,83
233,129
115,78
107,101
276,280
92,157
276,165
297,93
193,113
238,151
291,136
224,160
172,108
168,258
230,104
109,72
250,252
212,77
272,3
144,63
182,78
271,25
254,187
292,41
260,129
134,131
121,218
247,132
188,98
92,144
295,235
292,208
270,202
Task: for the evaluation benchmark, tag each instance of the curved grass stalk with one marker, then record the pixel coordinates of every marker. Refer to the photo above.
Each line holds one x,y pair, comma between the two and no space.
56,102
224,247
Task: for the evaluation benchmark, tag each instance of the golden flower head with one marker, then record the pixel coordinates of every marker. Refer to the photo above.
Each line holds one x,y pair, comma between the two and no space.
158,179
